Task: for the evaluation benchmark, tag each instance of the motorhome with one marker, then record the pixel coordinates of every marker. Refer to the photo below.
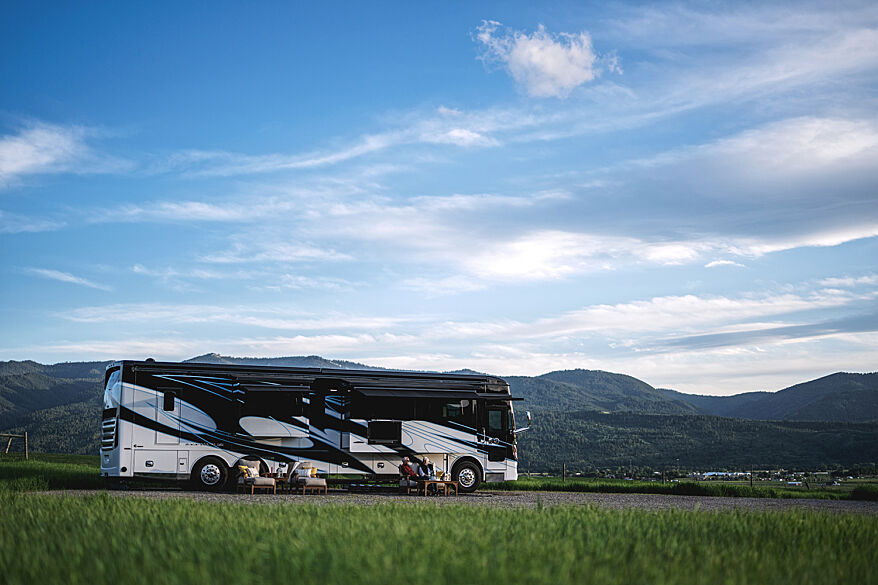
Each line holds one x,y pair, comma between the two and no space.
195,422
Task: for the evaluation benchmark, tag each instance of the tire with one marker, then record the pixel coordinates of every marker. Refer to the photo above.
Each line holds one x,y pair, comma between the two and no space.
468,476
209,474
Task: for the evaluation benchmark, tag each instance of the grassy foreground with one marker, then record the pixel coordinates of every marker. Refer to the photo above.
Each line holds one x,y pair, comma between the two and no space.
682,488
105,539
50,472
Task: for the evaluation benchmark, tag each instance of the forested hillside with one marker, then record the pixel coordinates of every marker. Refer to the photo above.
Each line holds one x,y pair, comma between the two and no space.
837,397
594,390
587,419
59,405
588,440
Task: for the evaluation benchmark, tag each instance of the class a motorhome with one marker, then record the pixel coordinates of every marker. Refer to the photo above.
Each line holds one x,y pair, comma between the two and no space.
195,422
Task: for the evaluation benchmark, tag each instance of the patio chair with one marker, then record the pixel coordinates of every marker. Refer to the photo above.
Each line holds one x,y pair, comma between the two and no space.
307,480
406,483
249,477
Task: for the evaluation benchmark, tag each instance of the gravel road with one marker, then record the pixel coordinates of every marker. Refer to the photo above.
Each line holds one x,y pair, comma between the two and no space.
513,500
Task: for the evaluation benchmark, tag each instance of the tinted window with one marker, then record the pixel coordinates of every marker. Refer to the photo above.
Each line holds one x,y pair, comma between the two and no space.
495,420
278,404
443,411
383,408
168,403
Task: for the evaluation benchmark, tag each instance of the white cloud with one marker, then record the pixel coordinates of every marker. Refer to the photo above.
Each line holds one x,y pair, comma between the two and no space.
659,315
254,248
48,148
816,239
443,126
39,149
445,111
544,64
66,277
716,263
300,282
849,281
552,254
461,137
268,317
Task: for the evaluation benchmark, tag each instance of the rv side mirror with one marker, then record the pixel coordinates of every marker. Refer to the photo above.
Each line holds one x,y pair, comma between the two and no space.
521,430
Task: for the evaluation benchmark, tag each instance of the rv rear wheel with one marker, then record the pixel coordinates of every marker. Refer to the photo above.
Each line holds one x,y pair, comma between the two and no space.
467,475
209,474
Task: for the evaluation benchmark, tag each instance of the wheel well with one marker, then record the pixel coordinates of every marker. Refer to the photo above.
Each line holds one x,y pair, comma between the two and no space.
209,458
469,460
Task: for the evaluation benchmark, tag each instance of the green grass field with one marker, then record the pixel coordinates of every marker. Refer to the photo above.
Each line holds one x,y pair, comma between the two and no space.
683,488
48,471
106,539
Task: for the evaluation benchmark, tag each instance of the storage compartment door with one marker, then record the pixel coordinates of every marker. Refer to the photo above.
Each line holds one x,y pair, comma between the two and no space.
154,461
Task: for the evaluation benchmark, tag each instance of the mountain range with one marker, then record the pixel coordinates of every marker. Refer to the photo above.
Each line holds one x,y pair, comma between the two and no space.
589,417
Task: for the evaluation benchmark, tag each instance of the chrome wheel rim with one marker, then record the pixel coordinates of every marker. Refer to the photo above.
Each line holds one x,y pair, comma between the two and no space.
467,477
210,474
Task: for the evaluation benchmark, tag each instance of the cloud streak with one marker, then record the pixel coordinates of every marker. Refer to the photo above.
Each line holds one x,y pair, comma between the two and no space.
66,277
41,148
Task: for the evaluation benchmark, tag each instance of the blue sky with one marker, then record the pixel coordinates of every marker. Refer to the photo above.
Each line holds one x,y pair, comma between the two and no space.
681,192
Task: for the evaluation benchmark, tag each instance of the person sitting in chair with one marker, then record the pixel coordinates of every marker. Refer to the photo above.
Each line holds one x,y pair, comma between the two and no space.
406,471
425,469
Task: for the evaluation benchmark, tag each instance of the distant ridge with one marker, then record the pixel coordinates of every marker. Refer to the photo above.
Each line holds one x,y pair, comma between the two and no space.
567,390
311,361
837,397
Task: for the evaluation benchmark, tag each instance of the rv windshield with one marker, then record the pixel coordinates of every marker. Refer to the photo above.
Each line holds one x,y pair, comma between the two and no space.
113,390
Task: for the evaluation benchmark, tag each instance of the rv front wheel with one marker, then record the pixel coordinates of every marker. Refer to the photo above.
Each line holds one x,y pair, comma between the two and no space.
210,474
467,475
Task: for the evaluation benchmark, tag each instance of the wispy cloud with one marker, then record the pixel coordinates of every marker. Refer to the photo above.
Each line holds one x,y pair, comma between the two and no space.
65,277
850,281
39,149
13,223
270,317
252,248
48,148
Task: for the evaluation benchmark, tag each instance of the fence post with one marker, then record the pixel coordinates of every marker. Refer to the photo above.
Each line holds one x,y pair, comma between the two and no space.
8,444
563,472
25,445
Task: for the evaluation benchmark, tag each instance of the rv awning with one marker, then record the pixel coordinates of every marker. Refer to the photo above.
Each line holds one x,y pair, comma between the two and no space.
413,393
424,393
278,388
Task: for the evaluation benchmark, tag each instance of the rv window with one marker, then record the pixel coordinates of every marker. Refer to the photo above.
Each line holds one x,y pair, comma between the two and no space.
170,395
279,404
389,407
451,410
495,420
384,432
442,411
